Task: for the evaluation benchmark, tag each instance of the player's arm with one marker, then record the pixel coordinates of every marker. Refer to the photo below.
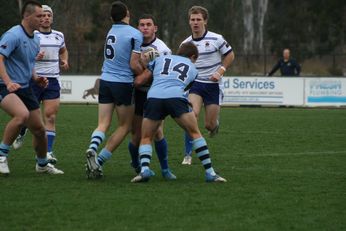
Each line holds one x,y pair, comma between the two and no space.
135,63
63,56
11,86
143,78
226,62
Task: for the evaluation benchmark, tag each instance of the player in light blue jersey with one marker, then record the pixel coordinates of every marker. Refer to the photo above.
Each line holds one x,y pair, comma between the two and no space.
52,58
121,63
19,47
172,75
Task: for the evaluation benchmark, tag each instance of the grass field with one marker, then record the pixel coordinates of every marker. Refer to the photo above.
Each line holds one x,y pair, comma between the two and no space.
286,170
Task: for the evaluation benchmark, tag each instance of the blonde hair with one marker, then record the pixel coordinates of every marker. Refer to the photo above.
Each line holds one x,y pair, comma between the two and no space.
199,10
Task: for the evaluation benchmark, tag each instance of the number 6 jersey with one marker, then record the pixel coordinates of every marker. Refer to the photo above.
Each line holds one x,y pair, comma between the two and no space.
122,39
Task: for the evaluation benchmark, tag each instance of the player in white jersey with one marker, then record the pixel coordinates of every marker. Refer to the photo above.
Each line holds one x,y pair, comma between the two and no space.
147,25
53,56
215,56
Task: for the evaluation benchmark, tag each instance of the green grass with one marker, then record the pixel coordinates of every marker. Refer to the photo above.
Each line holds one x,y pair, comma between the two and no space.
286,171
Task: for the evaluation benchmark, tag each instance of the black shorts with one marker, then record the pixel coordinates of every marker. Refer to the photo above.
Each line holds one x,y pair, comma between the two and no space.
158,109
210,92
140,99
25,94
52,91
117,93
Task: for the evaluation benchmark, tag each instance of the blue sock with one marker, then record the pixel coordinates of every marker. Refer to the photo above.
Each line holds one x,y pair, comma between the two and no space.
4,149
133,150
50,138
42,161
161,150
145,153
103,156
96,139
188,145
202,151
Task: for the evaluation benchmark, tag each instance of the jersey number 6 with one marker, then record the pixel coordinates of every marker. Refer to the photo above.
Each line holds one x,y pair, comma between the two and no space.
109,50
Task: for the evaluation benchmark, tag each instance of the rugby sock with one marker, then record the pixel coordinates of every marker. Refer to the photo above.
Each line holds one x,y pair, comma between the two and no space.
104,156
133,150
50,138
202,151
4,149
161,150
145,153
22,131
42,161
96,139
188,145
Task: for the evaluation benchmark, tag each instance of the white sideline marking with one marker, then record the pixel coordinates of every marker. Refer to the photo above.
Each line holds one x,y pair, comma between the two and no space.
296,153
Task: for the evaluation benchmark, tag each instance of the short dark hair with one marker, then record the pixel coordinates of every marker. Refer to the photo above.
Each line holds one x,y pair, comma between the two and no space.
118,11
148,16
188,50
29,7
199,10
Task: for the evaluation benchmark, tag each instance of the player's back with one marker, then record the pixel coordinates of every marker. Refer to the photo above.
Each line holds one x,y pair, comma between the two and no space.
171,75
121,40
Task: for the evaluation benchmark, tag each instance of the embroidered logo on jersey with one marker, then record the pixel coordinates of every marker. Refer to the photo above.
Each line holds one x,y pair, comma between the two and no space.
56,38
24,43
207,44
4,46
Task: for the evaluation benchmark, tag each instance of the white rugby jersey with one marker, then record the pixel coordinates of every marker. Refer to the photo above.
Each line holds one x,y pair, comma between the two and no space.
211,47
158,45
161,48
50,43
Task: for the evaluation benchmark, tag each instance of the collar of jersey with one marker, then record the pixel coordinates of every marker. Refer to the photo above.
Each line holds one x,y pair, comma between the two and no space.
30,36
200,38
147,44
49,32
120,23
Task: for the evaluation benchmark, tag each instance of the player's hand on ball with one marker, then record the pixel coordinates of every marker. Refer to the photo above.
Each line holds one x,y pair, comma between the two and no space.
150,54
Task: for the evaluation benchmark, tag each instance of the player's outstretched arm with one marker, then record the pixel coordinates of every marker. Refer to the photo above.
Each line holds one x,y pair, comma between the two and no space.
143,78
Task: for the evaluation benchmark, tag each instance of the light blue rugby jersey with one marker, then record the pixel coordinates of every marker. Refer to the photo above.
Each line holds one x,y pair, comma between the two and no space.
121,40
171,75
20,50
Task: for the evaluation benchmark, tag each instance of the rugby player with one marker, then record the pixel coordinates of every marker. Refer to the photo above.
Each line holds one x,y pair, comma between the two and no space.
171,74
215,56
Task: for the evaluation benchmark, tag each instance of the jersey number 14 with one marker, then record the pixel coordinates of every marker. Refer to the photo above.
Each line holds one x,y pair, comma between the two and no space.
181,68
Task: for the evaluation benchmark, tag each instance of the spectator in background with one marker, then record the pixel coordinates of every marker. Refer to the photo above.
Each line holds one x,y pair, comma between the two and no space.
287,65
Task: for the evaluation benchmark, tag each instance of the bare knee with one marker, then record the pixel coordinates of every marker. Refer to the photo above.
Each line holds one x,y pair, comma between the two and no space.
21,118
210,125
39,131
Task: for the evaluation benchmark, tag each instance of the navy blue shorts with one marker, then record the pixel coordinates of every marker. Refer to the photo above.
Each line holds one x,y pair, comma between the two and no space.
140,99
52,91
158,109
210,92
25,94
117,93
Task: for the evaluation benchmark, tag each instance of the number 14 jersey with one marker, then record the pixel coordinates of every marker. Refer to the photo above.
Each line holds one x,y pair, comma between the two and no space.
171,75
